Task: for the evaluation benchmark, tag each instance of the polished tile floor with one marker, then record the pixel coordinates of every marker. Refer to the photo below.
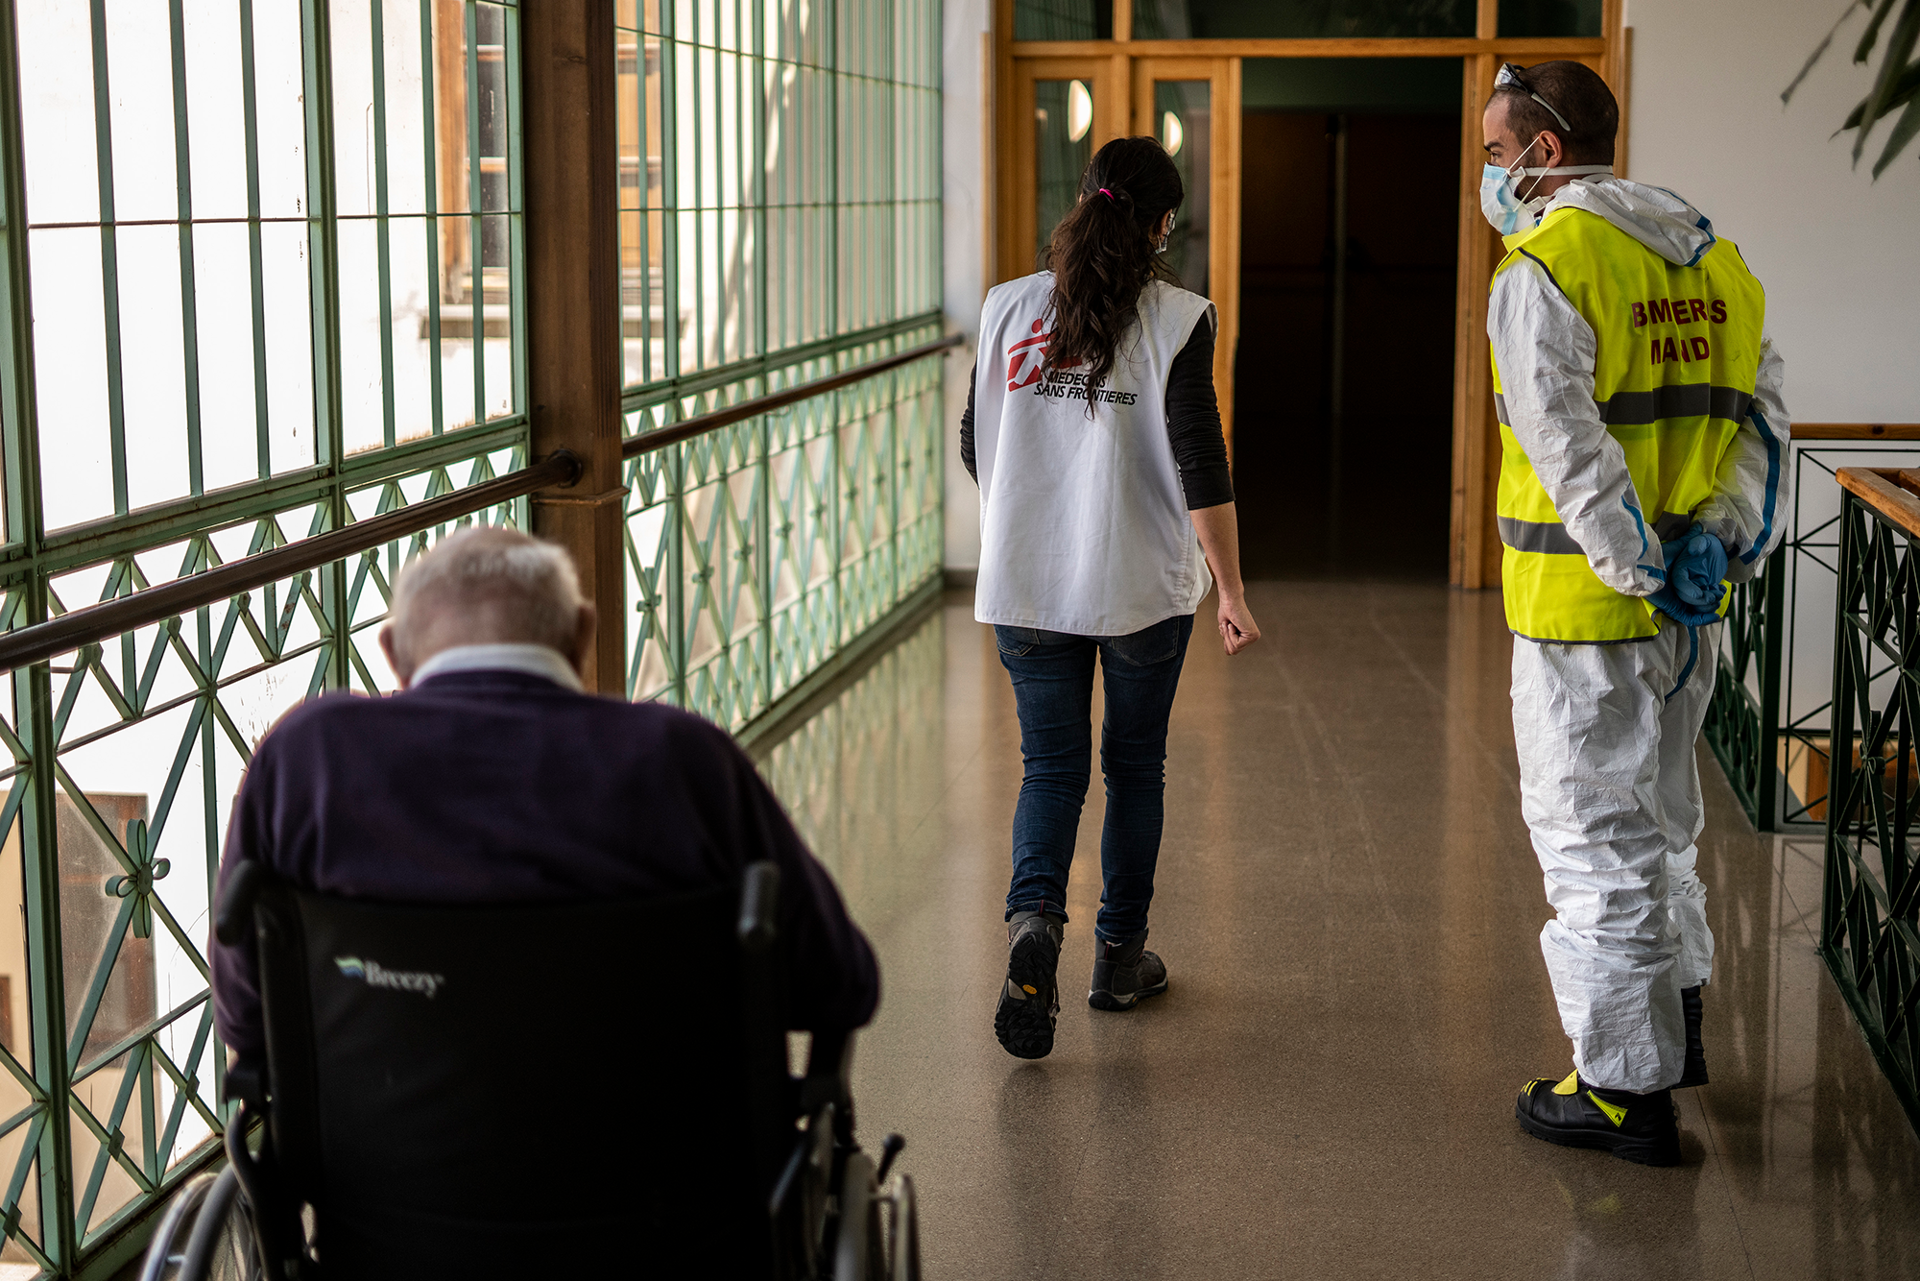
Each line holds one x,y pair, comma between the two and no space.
1349,910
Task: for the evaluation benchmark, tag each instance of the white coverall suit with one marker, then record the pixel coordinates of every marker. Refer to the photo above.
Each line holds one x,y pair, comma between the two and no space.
1606,732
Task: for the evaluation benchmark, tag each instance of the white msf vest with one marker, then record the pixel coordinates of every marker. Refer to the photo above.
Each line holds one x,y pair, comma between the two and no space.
1083,525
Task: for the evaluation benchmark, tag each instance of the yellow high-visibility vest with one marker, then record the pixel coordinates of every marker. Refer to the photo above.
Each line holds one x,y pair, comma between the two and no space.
1677,350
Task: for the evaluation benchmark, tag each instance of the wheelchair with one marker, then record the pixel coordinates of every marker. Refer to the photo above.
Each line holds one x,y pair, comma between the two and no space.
579,1090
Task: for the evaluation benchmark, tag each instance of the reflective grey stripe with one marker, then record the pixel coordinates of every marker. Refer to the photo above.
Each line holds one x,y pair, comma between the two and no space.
1684,400
1551,538
1548,537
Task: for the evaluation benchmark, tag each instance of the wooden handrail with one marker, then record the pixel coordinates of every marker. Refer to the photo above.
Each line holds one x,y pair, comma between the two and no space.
561,469
1856,431
1894,492
96,623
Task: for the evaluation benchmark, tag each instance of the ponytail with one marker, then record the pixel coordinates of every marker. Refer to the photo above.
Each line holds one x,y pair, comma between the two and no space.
1104,252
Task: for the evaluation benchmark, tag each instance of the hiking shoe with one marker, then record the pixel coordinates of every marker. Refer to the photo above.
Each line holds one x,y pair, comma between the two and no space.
1695,1072
1643,1128
1029,999
1124,974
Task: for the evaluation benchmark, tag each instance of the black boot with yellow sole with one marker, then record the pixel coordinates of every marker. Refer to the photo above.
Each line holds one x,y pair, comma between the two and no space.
1642,1128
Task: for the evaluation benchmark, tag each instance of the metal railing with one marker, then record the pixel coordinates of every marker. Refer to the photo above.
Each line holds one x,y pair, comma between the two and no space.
757,554
95,623
1870,914
1768,723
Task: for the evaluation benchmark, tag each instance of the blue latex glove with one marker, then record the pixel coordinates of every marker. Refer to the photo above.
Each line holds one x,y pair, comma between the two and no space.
1668,602
1696,570
1696,567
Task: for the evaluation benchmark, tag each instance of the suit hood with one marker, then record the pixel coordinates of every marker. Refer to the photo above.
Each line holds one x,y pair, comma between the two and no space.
1654,216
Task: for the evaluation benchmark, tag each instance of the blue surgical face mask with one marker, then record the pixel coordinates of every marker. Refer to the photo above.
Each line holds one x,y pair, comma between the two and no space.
1503,206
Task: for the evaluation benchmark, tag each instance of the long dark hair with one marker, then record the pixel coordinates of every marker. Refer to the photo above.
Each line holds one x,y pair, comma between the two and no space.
1103,253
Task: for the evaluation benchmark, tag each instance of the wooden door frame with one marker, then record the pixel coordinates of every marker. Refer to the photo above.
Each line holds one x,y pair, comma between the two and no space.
1474,556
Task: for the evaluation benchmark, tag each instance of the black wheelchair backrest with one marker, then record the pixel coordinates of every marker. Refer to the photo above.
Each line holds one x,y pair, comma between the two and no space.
479,1080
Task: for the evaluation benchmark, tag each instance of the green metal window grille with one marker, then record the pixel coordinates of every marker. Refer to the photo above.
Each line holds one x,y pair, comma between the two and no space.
260,277
779,222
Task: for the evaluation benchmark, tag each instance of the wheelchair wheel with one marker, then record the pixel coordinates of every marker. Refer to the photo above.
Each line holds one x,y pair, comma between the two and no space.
207,1235
902,1229
858,1251
167,1250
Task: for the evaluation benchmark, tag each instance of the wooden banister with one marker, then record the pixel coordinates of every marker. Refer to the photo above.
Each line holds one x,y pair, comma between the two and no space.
1894,492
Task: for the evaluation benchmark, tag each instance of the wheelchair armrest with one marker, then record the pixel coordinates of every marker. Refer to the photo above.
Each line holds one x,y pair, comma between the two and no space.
233,916
247,1083
829,1075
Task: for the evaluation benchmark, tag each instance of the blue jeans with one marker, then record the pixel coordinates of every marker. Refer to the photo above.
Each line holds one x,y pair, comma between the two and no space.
1053,687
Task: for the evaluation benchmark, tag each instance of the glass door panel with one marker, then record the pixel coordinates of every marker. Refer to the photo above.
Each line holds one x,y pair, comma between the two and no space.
1192,106
1183,122
1063,19
1550,18
1298,19
1062,146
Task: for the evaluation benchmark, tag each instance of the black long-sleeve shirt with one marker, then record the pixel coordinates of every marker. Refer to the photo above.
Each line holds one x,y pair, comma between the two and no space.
1193,425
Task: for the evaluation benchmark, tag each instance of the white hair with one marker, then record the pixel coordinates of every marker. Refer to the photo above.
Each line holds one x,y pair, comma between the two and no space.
489,585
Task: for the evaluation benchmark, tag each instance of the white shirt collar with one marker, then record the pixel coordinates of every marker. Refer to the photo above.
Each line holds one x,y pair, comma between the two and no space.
533,660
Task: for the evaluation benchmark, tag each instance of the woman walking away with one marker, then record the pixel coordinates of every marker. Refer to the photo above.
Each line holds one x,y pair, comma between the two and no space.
1095,438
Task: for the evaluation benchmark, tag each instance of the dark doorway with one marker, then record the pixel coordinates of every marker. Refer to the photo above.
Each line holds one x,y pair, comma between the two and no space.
1343,412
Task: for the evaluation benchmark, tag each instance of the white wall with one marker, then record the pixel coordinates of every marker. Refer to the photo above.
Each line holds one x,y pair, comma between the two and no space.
963,253
1839,254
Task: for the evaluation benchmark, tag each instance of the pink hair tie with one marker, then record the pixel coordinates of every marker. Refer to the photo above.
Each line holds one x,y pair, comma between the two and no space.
1108,195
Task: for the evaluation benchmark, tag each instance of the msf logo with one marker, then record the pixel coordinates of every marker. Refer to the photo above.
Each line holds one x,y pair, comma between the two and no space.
1025,359
374,974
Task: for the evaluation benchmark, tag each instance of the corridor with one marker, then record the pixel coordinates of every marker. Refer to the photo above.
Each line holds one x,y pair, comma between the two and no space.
1349,910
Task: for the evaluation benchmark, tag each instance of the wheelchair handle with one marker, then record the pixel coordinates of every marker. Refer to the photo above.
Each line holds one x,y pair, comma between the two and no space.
234,914
890,1149
759,901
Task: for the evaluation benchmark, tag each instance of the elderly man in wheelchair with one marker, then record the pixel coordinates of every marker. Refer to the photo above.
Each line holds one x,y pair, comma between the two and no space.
507,971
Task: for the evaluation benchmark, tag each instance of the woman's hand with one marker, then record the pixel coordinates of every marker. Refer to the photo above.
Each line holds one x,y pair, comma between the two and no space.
1219,531
1237,628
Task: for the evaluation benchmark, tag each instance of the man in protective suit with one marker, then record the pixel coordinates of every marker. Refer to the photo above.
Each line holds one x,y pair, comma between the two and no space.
1644,466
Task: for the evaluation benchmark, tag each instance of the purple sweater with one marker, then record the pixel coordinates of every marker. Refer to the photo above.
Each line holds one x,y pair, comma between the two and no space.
501,787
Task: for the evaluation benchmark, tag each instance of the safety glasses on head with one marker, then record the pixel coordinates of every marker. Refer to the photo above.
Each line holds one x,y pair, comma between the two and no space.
1510,75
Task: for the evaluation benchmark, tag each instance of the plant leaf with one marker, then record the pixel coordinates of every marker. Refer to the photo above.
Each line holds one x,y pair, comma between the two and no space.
1787,94
1872,32
1904,91
1904,131
1892,63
